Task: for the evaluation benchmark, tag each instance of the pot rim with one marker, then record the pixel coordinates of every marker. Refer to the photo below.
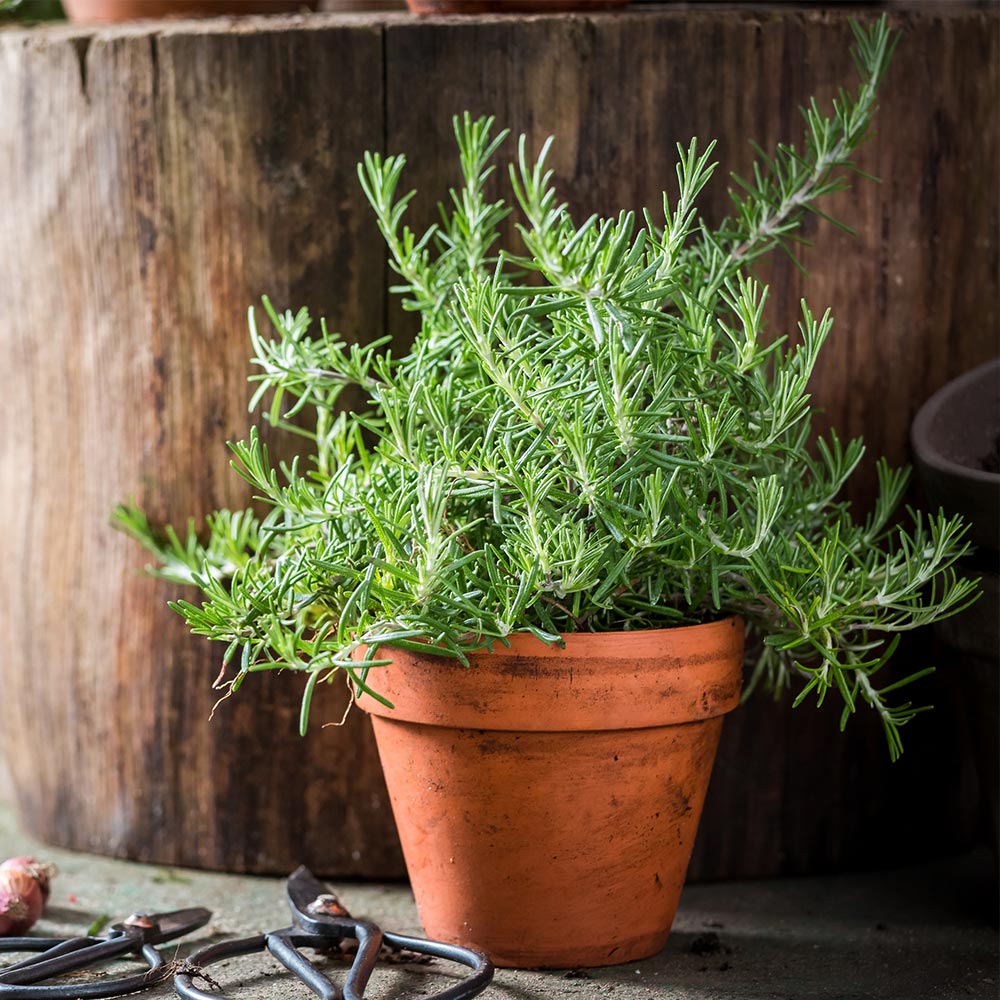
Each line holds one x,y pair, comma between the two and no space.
614,640
658,677
920,434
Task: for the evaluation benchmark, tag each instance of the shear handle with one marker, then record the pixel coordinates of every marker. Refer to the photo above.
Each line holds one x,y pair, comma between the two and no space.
87,991
34,943
131,936
66,956
316,909
482,967
284,946
49,948
214,953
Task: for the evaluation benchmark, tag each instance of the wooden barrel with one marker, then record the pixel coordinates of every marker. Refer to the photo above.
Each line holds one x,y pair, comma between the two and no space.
155,179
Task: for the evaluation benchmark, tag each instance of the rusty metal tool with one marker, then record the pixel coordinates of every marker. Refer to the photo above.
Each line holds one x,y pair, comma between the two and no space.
137,935
319,921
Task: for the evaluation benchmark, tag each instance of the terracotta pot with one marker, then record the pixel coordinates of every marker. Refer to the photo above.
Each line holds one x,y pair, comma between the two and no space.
547,799
510,6
111,11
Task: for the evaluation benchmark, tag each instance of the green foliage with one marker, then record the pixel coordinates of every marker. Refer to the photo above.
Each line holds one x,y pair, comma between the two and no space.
30,10
592,435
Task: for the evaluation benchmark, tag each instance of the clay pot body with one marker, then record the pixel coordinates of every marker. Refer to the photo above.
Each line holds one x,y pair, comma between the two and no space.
112,11
428,7
547,798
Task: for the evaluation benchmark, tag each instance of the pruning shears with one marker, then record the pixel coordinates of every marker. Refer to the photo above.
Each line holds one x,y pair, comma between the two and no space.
137,935
320,921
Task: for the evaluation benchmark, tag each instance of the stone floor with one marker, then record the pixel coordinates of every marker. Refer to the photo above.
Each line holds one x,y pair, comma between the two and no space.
912,934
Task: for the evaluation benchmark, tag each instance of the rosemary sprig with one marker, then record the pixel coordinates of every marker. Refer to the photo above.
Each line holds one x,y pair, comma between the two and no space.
614,444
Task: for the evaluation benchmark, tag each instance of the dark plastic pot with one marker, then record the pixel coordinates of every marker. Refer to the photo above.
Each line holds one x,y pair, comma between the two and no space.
956,441
956,436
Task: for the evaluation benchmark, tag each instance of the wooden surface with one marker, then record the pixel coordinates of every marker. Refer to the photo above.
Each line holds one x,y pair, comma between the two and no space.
914,294
154,180
153,187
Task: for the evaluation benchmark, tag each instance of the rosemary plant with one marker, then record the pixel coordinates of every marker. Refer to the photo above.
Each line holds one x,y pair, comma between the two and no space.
594,434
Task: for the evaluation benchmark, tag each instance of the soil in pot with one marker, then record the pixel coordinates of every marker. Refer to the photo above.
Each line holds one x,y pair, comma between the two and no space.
547,798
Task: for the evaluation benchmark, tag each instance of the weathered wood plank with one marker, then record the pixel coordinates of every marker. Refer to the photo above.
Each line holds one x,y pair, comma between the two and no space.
154,184
914,293
156,179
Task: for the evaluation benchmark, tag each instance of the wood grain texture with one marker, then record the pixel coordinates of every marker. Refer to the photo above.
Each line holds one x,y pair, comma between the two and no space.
154,184
155,180
914,295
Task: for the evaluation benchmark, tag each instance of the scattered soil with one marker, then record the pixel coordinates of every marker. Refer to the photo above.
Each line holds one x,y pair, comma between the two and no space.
707,944
710,944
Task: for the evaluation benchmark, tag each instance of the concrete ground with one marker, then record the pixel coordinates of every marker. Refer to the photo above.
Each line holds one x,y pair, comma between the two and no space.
912,934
